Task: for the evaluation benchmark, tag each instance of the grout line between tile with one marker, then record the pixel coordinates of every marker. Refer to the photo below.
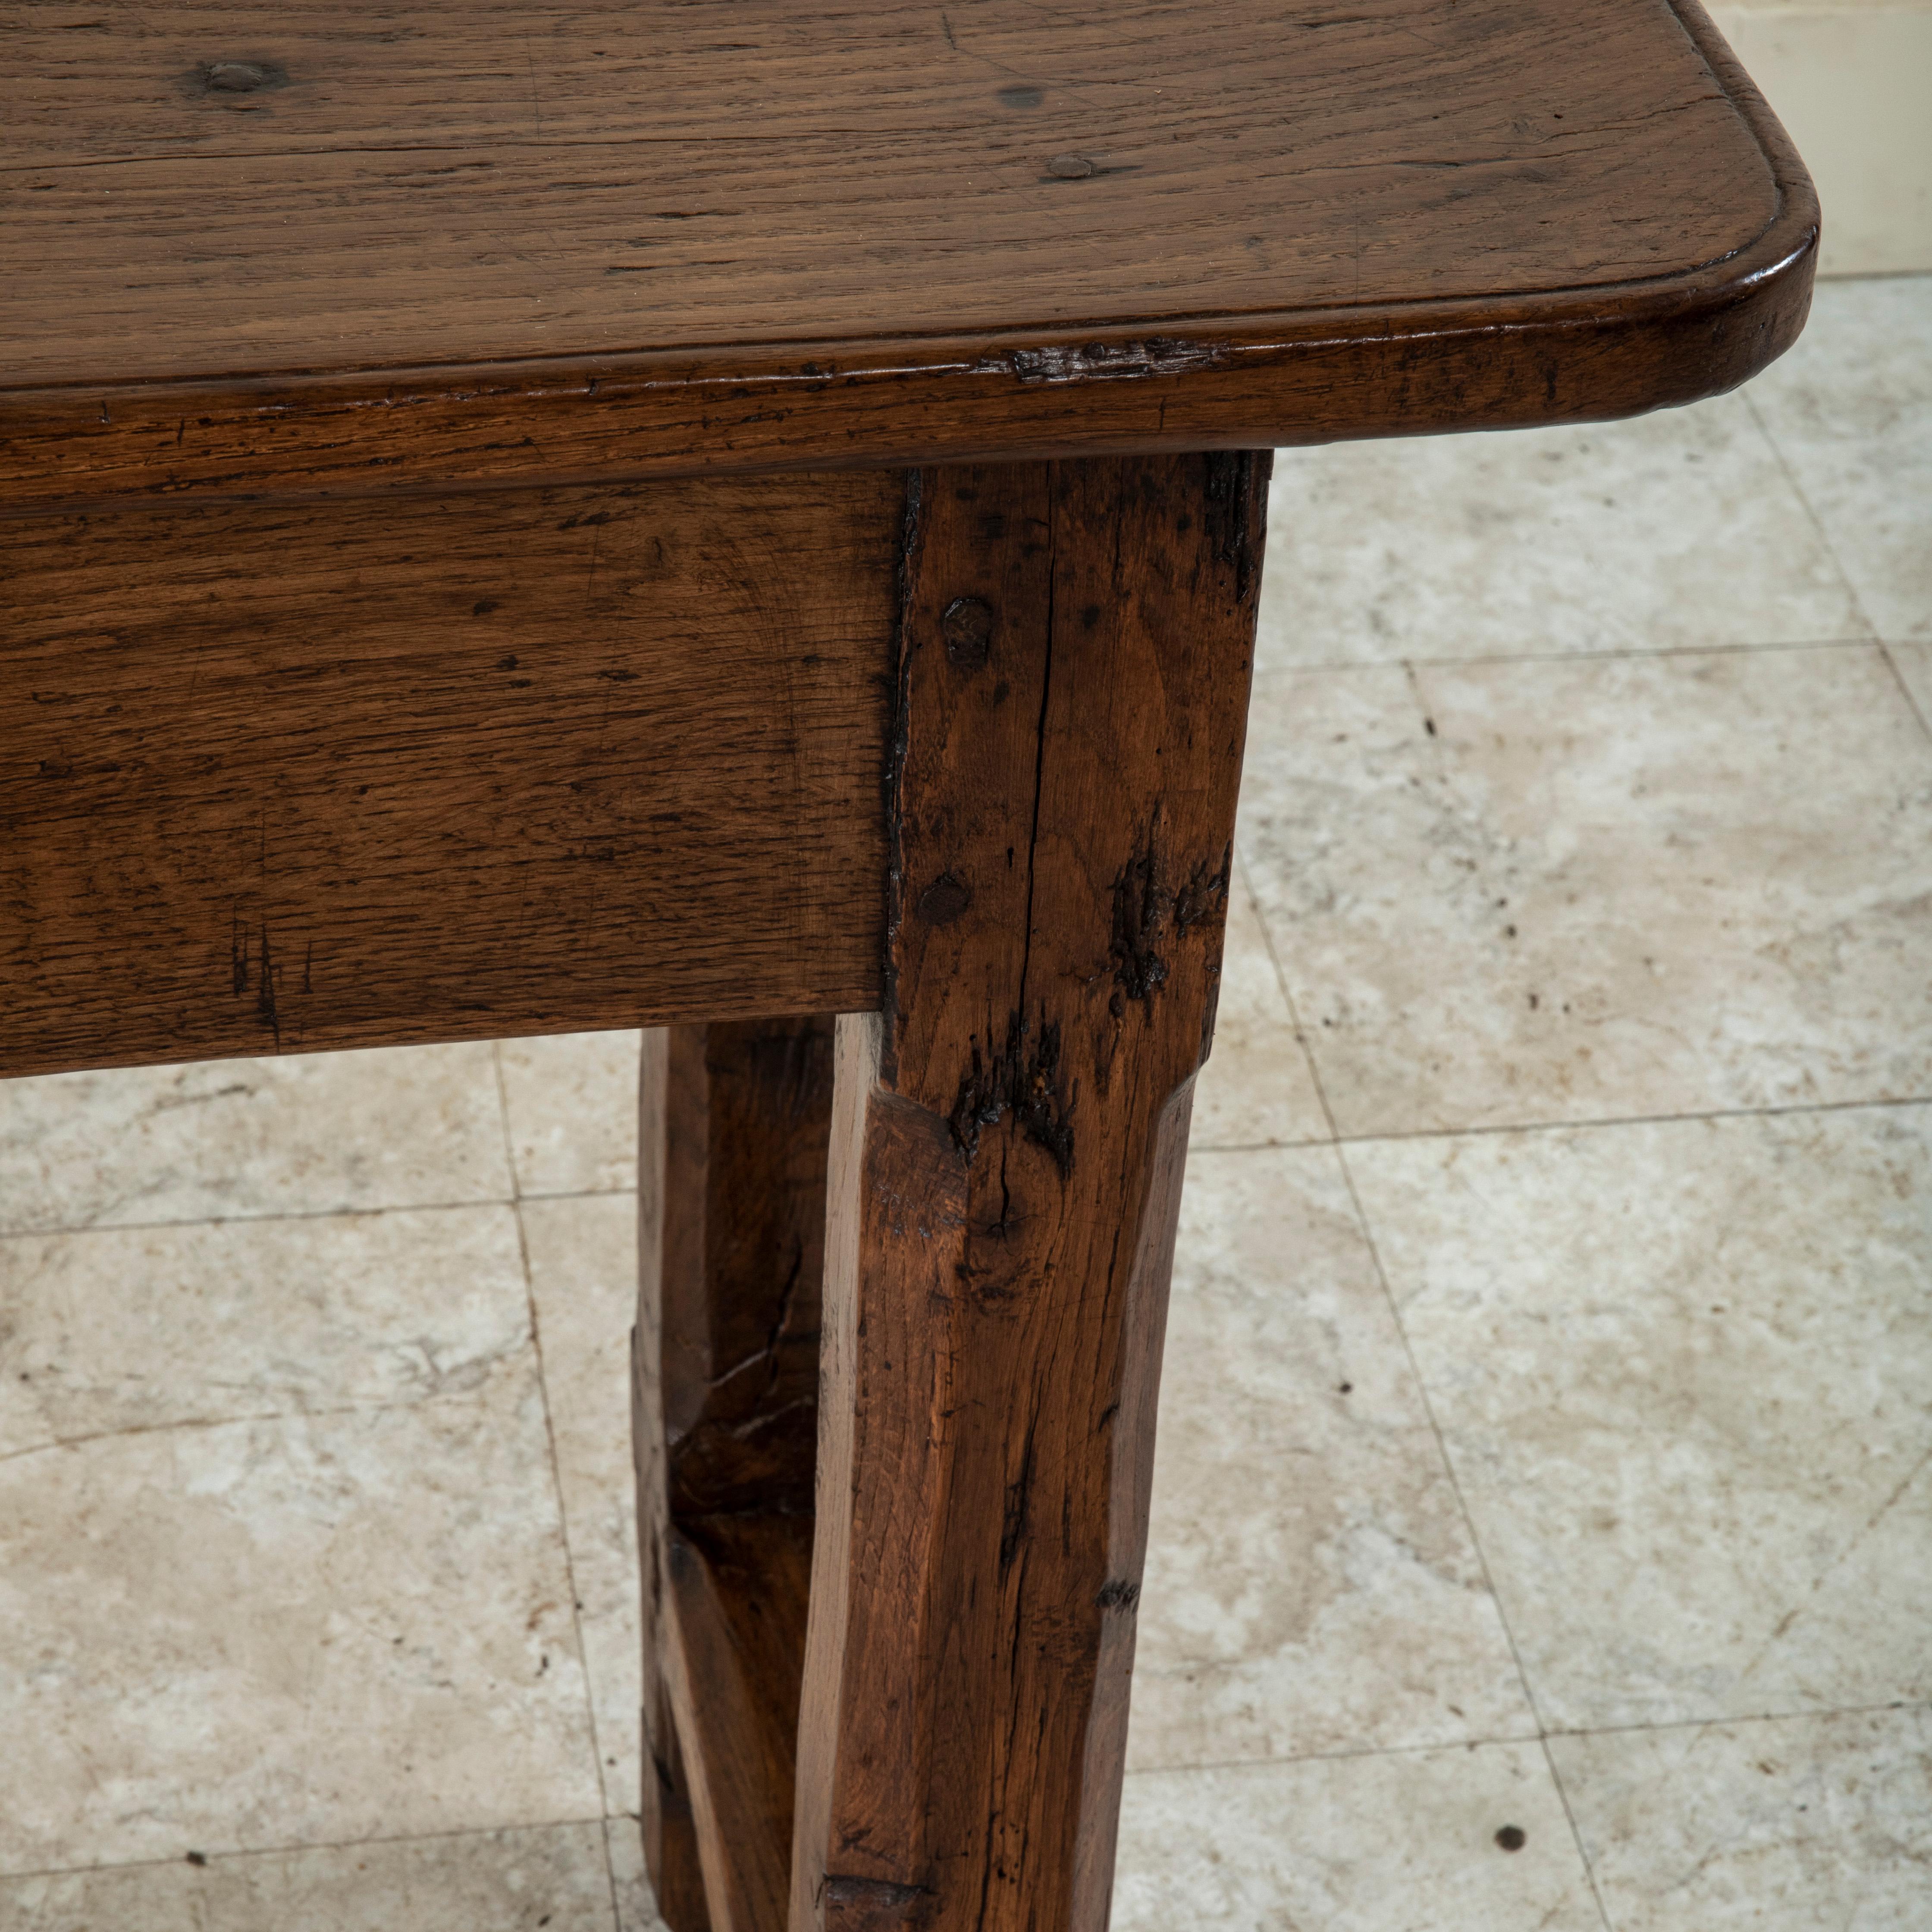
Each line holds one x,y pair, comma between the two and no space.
308,1214
250,1220
1903,1100
1498,1738
1838,563
1294,1019
1898,676
1475,1538
293,1413
556,1478
1746,1717
1429,1410
1621,651
301,1845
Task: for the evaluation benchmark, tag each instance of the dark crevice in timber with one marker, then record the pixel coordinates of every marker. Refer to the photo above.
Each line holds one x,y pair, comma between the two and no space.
898,737
1206,891
264,999
1144,908
1141,905
1013,1522
1063,1155
1228,513
1022,1077
777,1335
1118,1594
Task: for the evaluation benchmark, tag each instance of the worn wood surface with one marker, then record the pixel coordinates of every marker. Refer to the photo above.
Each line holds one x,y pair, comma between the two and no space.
362,774
346,248
733,1121
1007,1147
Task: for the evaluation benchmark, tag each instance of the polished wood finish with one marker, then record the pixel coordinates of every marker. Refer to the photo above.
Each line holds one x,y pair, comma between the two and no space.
1006,1150
733,1121
336,249
442,769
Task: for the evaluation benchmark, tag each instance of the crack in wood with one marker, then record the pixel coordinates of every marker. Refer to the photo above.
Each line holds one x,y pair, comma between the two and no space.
1232,499
1023,1078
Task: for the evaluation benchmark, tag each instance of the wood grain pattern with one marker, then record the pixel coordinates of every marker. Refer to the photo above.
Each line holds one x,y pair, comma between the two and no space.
1007,1147
276,780
459,246
733,1128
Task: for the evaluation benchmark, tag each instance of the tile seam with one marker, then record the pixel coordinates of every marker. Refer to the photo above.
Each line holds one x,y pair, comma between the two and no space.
1448,1467
290,1849
556,1478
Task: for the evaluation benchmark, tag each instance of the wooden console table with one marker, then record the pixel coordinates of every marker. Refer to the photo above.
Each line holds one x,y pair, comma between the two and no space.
519,517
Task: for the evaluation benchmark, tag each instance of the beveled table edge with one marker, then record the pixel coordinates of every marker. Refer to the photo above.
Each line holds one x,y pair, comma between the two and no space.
1590,352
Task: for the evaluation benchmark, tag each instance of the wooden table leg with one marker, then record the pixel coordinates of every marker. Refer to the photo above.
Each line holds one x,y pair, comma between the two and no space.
1005,1147
725,1384
1007,1142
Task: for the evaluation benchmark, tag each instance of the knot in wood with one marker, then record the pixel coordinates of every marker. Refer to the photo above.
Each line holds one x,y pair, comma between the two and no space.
237,76
945,899
967,628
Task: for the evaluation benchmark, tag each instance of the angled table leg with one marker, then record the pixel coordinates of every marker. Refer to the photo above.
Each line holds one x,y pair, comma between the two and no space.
1007,1148
725,1385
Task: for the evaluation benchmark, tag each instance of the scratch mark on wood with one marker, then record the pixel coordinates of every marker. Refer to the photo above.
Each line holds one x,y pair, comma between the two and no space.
1097,362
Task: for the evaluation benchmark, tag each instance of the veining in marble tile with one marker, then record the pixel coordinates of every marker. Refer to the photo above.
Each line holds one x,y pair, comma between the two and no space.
1851,409
583,1280
201,1322
551,1876
1683,1371
1810,1824
320,1628
1311,1584
412,1127
1505,894
573,1107
1679,529
1257,1087
1403,1841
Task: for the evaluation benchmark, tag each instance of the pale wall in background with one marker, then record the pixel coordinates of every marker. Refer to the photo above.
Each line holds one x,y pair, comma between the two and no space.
1852,80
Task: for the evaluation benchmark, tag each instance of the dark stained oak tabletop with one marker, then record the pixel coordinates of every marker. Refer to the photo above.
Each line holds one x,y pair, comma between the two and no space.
356,246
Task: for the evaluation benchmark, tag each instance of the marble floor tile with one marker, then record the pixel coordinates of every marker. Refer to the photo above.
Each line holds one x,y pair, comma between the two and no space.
572,1098
1810,1824
1311,1584
583,1282
1684,1372
316,1629
1850,407
1401,1841
1505,894
199,1322
552,1877
1679,529
1257,1088
411,1127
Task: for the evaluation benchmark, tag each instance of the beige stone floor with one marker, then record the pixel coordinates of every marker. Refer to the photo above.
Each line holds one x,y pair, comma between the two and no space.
1547,1433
